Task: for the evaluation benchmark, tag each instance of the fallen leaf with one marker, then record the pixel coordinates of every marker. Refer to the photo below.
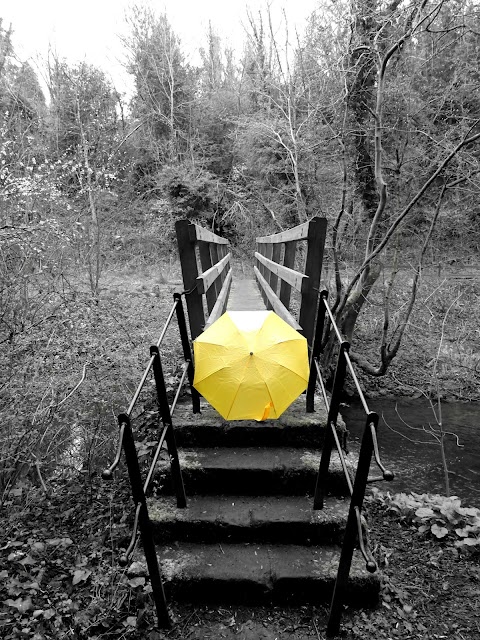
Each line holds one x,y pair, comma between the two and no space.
12,543
137,569
59,542
139,581
424,512
80,575
131,621
439,532
21,605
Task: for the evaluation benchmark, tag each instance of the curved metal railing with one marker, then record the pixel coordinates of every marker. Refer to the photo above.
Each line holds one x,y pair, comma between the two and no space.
369,446
126,442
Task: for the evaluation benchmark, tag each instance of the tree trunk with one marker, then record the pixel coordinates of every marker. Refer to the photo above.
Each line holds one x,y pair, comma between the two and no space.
360,100
356,300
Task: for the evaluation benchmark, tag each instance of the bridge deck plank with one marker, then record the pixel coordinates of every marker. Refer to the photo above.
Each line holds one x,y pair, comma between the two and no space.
245,295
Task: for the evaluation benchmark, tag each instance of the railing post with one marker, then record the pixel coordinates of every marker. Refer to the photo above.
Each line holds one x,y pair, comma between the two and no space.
331,424
146,532
167,422
267,274
317,345
317,231
206,262
276,254
261,246
288,261
188,260
350,537
187,352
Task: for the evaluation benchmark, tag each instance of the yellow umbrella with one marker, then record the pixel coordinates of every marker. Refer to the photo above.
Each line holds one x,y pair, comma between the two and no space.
250,365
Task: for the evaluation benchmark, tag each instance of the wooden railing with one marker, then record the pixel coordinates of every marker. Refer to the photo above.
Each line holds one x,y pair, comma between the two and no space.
276,275
206,272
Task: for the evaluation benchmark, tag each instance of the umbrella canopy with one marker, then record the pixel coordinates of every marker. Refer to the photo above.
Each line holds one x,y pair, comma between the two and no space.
250,365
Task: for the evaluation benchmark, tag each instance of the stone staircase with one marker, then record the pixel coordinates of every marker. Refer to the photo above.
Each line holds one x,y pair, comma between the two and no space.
249,534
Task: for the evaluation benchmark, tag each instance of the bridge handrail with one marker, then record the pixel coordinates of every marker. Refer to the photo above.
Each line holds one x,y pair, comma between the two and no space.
126,442
205,235
292,277
274,301
275,273
299,232
369,445
206,273
208,278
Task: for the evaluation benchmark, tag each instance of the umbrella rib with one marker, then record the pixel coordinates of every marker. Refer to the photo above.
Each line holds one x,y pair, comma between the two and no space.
288,369
224,367
270,395
280,341
266,386
212,373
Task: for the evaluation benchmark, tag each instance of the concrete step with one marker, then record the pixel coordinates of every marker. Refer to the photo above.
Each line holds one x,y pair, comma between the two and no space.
294,428
279,519
253,471
256,574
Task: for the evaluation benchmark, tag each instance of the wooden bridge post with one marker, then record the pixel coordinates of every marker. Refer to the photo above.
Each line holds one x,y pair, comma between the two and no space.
268,253
215,257
206,271
317,231
276,255
188,260
289,262
261,249
206,261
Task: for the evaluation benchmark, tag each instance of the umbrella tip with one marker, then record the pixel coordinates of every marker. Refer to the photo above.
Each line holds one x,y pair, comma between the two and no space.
251,353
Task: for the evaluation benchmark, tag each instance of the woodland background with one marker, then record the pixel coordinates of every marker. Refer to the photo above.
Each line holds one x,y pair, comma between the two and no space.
370,117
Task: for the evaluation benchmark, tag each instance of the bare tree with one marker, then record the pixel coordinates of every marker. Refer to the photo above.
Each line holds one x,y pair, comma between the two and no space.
378,45
162,98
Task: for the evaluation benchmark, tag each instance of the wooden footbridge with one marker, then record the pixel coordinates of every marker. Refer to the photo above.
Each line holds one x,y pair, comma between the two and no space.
265,512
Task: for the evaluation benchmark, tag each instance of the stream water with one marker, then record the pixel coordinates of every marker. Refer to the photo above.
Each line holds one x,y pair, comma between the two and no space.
411,452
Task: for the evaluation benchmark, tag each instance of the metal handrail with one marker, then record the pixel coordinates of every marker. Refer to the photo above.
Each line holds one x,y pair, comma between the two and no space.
370,563
140,387
107,473
126,441
126,556
179,387
153,464
369,446
386,474
168,320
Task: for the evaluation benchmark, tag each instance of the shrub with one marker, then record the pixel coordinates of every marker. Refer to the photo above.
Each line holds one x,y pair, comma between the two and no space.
436,515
